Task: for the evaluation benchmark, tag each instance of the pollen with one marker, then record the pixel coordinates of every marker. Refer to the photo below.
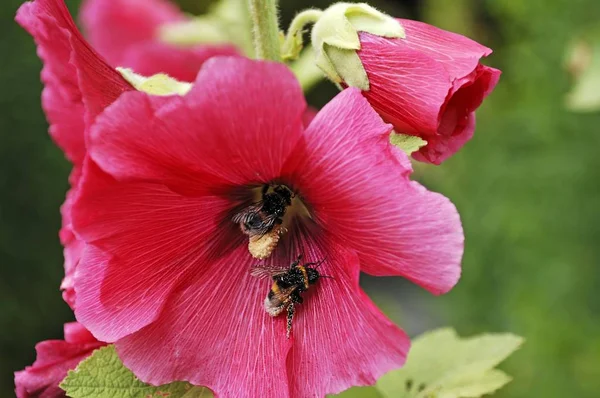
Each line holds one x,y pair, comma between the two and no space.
262,246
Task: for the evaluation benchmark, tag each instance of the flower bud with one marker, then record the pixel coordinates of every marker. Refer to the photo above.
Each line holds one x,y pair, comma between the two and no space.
425,81
336,40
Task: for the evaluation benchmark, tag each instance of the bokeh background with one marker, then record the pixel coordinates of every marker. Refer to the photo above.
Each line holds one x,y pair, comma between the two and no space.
527,187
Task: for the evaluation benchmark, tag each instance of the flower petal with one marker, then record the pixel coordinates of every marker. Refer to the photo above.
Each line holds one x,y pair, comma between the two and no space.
115,26
140,239
407,87
73,73
428,85
73,246
459,54
126,32
340,338
54,359
457,123
357,187
214,332
76,333
181,63
189,142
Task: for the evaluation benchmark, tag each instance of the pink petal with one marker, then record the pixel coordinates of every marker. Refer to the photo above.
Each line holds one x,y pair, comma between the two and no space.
61,97
76,333
340,338
215,332
78,86
459,54
457,123
309,115
180,63
357,186
126,32
68,60
115,26
54,359
73,249
428,85
407,88
140,239
190,143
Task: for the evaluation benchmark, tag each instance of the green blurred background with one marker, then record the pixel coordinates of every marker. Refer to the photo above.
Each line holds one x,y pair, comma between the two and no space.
527,187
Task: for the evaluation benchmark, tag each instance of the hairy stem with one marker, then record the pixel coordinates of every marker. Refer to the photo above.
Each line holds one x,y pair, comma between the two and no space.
265,29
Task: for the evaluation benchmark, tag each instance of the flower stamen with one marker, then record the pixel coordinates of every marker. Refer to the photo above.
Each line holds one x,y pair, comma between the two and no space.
261,246
262,220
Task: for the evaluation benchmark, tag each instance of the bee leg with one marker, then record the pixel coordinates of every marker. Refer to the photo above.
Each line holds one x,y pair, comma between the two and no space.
295,296
265,188
297,262
290,317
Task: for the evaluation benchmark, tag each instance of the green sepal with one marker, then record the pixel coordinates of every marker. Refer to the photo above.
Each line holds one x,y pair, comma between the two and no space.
103,375
160,84
336,41
407,143
440,364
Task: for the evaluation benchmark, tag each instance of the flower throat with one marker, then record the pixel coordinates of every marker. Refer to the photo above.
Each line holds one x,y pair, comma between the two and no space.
263,220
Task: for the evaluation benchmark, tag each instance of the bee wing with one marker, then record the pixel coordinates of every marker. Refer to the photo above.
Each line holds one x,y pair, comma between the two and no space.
248,213
258,222
267,272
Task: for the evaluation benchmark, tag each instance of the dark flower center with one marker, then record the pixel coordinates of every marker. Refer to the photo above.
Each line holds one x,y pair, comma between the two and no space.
269,216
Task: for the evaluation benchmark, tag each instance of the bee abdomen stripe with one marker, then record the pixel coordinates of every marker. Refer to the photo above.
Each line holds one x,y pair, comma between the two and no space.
275,288
305,275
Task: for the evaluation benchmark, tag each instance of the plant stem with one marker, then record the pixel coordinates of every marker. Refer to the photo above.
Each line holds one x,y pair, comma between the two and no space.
293,41
265,29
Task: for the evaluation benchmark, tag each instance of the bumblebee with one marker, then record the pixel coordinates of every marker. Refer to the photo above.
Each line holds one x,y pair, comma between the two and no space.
288,286
261,217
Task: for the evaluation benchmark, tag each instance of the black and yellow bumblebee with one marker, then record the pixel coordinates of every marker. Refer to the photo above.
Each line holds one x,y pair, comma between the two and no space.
261,217
288,286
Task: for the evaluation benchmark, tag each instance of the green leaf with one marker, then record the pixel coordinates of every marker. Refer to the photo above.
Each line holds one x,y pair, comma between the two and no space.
408,143
103,375
487,382
442,365
358,392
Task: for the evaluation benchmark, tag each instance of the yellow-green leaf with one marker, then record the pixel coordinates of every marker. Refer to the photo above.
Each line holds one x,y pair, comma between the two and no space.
443,365
159,84
408,143
103,375
358,392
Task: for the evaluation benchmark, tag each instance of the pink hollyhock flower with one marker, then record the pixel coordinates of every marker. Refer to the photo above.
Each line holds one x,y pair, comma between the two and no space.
54,359
126,33
73,246
166,273
428,84
78,84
